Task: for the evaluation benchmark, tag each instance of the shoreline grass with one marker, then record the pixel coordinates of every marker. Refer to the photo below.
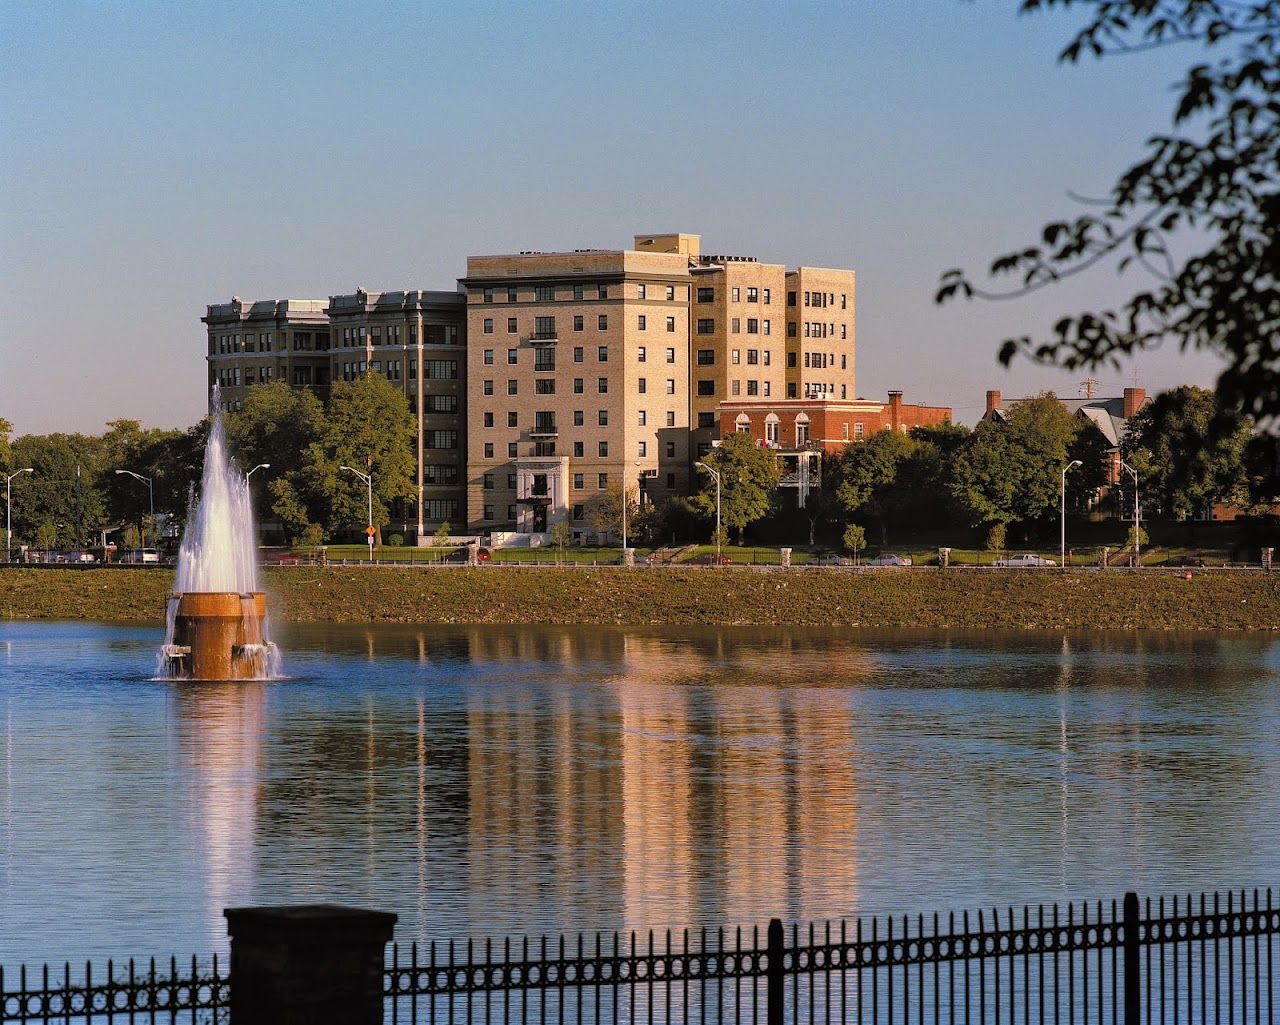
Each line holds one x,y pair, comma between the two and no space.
677,596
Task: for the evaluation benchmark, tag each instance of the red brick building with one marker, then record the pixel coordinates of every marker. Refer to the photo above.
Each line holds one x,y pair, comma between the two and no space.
791,424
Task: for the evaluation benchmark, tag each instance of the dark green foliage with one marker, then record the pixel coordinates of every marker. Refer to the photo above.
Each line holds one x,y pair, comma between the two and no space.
1198,215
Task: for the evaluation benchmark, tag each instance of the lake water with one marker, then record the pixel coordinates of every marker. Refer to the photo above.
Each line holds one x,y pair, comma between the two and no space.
511,781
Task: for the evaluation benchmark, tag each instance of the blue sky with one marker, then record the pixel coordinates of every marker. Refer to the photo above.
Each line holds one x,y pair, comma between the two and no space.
159,157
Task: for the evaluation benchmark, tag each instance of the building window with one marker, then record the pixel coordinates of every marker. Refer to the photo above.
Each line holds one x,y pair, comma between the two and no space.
603,448
579,511
602,481
640,322
642,417
671,385
577,323
544,293
544,359
753,295
706,326
544,386
767,296
511,295
487,387
753,387
511,449
671,324
753,326
577,418
766,389
641,354
791,329
488,295
706,420
577,354
735,325
735,387
791,390
642,449
844,301
753,357
488,482
602,322
704,387
488,449
488,419
768,330
602,417
640,292
488,357
844,330
706,295
735,294
579,291
706,357
602,292
578,388
511,481
488,325
578,449
511,325
442,439
791,298
642,385
602,385
602,353
513,418
579,481
735,357
671,449
513,387
488,512
513,356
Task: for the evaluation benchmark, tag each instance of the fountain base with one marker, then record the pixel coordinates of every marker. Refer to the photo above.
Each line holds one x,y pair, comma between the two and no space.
217,635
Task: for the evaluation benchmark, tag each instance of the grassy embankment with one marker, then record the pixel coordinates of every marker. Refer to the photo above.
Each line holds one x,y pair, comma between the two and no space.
928,598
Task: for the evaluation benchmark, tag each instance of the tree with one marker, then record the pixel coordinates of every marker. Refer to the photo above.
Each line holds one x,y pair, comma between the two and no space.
996,538
6,454
441,537
561,535
855,539
1200,213
1009,471
604,511
367,425
1188,453
62,493
749,476
868,476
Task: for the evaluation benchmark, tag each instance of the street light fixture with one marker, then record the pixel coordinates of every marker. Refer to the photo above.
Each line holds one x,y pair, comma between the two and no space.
1137,525
148,481
715,474
368,480
260,466
1074,462
8,510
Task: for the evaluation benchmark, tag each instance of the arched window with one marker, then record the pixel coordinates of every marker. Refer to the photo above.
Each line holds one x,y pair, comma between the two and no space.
802,430
771,429
743,423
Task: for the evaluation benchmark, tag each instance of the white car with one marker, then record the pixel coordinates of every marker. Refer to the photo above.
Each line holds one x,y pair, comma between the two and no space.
1025,560
889,559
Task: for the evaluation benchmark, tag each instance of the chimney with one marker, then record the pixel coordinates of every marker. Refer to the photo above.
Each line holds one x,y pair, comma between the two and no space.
1133,400
895,409
993,402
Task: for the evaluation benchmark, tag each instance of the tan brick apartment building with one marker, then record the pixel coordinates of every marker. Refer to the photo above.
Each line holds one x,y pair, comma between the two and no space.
548,378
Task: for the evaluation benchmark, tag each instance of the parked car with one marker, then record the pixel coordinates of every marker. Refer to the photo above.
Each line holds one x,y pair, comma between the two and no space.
711,560
889,559
833,560
1024,560
1187,561
140,555
461,555
278,559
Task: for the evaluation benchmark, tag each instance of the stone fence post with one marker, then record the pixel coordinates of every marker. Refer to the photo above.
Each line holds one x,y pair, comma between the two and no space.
315,964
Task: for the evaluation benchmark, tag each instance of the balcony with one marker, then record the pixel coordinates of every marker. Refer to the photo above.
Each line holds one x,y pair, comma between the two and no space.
544,338
545,430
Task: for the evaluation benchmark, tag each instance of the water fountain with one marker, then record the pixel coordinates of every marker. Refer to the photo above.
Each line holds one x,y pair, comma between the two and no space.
216,621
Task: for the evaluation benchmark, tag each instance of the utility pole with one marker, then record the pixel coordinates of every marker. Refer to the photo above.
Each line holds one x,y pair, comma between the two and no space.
79,517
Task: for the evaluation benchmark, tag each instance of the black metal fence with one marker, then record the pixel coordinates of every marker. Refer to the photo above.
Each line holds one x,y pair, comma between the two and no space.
1209,958
1174,960
185,992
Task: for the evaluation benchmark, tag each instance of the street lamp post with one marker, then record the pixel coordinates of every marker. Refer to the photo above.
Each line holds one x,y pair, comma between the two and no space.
260,466
624,510
8,510
151,495
1074,462
716,475
1137,525
368,480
